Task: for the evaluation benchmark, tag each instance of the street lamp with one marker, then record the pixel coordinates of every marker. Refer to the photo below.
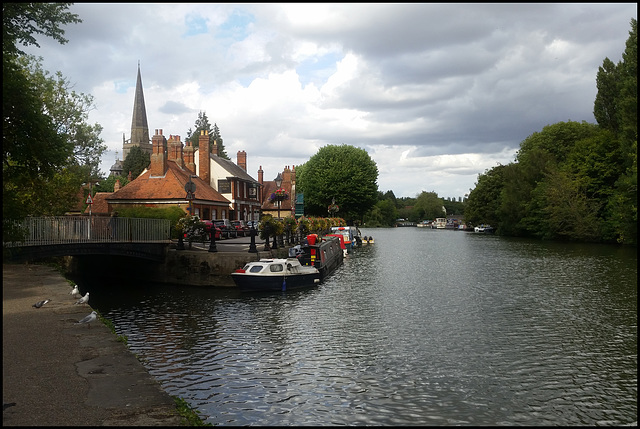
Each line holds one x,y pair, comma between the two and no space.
278,181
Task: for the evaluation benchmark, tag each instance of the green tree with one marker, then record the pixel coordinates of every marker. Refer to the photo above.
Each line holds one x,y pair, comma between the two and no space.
202,123
22,21
604,106
69,112
137,160
343,172
484,200
36,156
429,206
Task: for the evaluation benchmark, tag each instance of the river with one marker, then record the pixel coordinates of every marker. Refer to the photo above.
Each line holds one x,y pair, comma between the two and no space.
424,327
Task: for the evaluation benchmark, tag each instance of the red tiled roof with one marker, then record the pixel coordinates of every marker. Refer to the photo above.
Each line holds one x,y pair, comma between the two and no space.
168,187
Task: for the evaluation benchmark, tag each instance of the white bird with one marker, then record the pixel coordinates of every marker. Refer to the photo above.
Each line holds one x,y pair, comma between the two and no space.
84,299
75,291
40,303
89,318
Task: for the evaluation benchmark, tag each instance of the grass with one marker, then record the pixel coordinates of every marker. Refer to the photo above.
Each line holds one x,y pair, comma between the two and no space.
188,413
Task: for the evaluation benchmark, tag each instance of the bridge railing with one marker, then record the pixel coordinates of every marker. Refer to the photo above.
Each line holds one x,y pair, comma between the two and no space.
90,229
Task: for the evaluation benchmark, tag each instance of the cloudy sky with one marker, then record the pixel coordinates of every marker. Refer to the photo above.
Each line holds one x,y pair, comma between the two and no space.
435,93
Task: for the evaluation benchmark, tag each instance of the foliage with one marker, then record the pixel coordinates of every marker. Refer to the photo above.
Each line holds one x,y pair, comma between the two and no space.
428,206
173,213
344,173
136,162
22,21
108,184
193,227
44,123
188,413
202,123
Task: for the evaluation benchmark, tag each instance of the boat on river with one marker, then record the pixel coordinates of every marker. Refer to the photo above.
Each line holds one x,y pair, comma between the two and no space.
307,265
484,229
275,275
351,236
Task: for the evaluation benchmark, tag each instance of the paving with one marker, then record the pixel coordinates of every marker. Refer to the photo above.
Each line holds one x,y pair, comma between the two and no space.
56,372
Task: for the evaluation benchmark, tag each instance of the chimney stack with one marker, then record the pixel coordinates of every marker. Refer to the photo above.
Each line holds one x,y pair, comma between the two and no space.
158,155
189,162
175,150
205,161
242,160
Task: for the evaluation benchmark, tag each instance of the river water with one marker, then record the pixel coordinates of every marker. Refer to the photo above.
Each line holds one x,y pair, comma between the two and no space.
424,327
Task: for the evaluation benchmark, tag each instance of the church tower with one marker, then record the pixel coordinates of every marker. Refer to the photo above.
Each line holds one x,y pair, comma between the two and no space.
139,126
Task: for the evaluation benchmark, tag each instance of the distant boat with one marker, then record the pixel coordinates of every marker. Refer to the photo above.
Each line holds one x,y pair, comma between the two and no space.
484,229
439,223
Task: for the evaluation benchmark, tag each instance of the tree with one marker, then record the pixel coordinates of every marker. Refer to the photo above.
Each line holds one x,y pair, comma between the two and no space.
202,123
343,172
69,112
37,172
21,21
428,205
604,106
136,162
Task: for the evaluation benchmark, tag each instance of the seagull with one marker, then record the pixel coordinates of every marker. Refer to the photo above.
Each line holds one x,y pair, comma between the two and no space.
84,299
88,319
75,291
40,303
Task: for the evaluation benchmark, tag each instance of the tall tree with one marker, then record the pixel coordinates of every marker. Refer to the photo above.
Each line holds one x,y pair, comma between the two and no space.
344,173
35,155
137,160
202,123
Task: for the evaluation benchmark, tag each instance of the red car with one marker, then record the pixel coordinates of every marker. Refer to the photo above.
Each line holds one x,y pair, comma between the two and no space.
209,224
241,228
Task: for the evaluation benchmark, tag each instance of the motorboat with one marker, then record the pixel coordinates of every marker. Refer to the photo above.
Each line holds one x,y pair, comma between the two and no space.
275,275
484,229
306,266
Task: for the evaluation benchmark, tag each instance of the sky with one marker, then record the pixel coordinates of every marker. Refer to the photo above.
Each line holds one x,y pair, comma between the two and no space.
436,94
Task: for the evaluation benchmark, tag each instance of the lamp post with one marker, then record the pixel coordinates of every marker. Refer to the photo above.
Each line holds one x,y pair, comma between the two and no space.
278,181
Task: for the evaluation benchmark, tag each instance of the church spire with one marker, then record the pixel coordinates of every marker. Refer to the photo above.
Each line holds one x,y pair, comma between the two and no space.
139,125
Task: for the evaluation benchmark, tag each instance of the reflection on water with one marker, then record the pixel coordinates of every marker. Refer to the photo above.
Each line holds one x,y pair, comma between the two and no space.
424,327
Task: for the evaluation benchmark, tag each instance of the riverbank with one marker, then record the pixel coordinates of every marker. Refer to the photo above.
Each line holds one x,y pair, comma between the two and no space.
59,373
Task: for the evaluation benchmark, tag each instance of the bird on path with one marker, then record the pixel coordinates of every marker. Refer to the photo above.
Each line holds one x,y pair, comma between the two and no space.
83,300
40,303
92,317
75,291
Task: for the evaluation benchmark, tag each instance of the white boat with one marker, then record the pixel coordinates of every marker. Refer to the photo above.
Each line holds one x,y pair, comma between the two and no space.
275,275
306,266
484,229
439,223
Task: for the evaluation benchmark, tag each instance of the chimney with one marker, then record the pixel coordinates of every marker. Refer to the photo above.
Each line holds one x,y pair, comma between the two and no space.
175,150
242,160
116,186
260,176
286,175
158,155
205,161
214,150
188,158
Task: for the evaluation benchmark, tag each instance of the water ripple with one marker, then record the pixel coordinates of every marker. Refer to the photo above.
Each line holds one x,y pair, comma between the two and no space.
449,329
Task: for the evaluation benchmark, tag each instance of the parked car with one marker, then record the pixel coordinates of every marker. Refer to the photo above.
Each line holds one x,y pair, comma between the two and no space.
228,231
209,225
241,228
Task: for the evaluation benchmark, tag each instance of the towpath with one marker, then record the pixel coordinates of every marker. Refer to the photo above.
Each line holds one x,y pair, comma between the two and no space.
58,373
